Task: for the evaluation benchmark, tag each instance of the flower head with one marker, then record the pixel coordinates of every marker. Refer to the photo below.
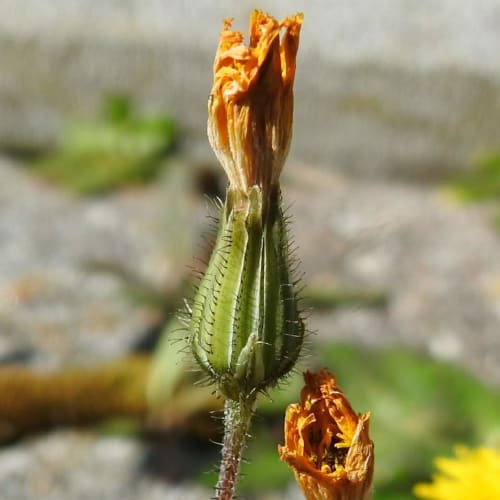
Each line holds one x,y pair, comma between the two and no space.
472,475
251,103
327,443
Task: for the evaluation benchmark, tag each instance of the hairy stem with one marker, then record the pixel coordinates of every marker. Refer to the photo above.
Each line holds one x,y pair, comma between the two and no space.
237,418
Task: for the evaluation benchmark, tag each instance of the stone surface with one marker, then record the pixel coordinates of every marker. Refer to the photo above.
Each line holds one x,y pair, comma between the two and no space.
409,88
65,262
73,465
436,261
64,465
80,466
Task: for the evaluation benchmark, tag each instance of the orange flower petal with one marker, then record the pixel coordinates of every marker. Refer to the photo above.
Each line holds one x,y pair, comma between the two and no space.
251,103
327,443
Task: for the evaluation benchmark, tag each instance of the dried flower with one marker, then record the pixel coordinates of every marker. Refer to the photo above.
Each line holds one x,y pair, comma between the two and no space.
327,443
250,108
472,475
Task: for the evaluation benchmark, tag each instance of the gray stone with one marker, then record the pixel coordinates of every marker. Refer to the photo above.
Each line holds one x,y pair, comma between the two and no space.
436,260
59,293
83,466
407,88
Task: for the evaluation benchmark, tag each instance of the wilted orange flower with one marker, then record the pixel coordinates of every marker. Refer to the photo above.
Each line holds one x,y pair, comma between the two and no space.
251,103
327,443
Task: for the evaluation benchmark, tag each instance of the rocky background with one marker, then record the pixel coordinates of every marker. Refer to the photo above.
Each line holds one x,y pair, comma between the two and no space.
391,99
409,88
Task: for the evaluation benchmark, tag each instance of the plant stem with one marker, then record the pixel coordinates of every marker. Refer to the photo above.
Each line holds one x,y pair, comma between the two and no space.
237,417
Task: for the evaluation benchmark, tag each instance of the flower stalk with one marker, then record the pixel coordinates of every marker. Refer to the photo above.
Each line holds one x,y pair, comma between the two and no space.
237,419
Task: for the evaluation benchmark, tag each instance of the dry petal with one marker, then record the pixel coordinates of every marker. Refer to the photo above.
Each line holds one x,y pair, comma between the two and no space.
250,108
327,443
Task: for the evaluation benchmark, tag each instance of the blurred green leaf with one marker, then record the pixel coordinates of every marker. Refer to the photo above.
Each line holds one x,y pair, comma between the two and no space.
122,149
116,108
328,298
481,183
120,426
168,367
173,391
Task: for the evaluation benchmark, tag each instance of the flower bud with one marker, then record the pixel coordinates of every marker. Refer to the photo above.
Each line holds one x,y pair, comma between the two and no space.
246,329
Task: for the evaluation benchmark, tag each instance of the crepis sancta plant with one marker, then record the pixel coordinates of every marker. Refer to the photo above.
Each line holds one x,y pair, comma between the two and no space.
246,329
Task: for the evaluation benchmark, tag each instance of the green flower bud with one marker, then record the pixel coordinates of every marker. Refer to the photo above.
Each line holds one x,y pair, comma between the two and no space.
246,329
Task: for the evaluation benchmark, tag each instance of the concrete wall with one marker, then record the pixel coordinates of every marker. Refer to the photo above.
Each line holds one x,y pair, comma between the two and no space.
399,87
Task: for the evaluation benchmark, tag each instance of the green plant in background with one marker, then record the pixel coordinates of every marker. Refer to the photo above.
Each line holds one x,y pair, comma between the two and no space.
481,183
121,149
320,298
420,407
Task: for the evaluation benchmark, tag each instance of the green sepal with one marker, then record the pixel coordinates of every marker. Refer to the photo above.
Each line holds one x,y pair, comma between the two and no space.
246,330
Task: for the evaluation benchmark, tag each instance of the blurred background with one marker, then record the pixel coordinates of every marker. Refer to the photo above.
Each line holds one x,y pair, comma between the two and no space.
393,183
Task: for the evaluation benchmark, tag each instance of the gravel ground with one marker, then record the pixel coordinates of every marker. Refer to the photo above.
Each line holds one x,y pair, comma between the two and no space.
68,464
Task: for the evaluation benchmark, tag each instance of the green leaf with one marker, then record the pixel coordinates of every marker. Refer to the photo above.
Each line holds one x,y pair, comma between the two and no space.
122,149
481,183
169,368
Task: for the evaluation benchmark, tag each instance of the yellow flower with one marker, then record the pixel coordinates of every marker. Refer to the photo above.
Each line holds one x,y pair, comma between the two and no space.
250,108
473,475
327,443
